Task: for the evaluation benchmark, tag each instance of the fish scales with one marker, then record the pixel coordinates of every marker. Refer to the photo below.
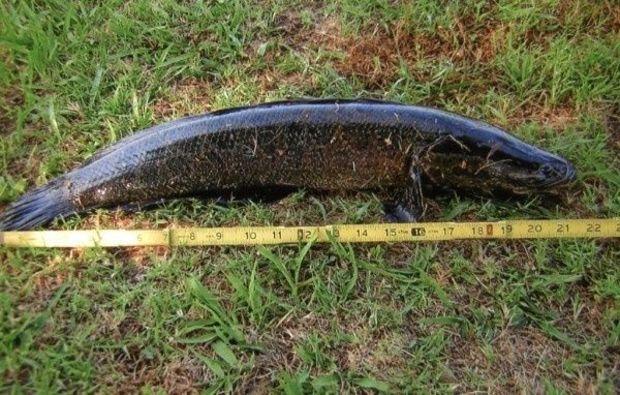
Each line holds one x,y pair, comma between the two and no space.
319,145
314,148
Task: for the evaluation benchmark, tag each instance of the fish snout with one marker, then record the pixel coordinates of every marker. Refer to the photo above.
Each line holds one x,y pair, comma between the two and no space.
557,173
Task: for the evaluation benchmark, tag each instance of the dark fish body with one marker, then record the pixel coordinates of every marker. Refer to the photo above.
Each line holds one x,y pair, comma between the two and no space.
321,145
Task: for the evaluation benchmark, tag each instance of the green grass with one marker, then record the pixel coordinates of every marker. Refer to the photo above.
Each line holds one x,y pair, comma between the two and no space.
470,316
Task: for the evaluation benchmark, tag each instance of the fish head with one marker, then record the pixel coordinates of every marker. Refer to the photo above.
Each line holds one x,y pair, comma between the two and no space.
546,174
491,160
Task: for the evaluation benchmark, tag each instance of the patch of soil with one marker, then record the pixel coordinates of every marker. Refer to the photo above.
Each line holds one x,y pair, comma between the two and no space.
187,97
271,78
519,359
376,53
185,376
141,256
612,123
12,98
556,118
46,283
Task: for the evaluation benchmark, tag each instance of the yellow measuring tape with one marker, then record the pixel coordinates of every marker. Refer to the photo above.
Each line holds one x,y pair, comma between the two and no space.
373,233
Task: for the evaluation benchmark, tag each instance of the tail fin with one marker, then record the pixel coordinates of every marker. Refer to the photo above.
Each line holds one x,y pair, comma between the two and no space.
37,207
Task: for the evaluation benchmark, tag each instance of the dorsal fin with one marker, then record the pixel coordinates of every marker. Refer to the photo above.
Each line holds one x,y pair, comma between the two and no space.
298,102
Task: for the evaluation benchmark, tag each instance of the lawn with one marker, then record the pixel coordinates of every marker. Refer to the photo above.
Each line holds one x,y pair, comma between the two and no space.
491,316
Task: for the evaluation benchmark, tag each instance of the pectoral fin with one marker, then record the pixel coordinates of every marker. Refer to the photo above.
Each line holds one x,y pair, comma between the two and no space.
408,204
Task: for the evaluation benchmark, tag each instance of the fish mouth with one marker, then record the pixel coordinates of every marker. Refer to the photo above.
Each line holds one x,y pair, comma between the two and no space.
557,174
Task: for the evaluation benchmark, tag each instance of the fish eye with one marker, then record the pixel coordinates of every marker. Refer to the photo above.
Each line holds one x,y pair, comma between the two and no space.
557,170
548,170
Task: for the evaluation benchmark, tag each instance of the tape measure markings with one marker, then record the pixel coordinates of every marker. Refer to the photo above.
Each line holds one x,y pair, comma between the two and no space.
254,235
